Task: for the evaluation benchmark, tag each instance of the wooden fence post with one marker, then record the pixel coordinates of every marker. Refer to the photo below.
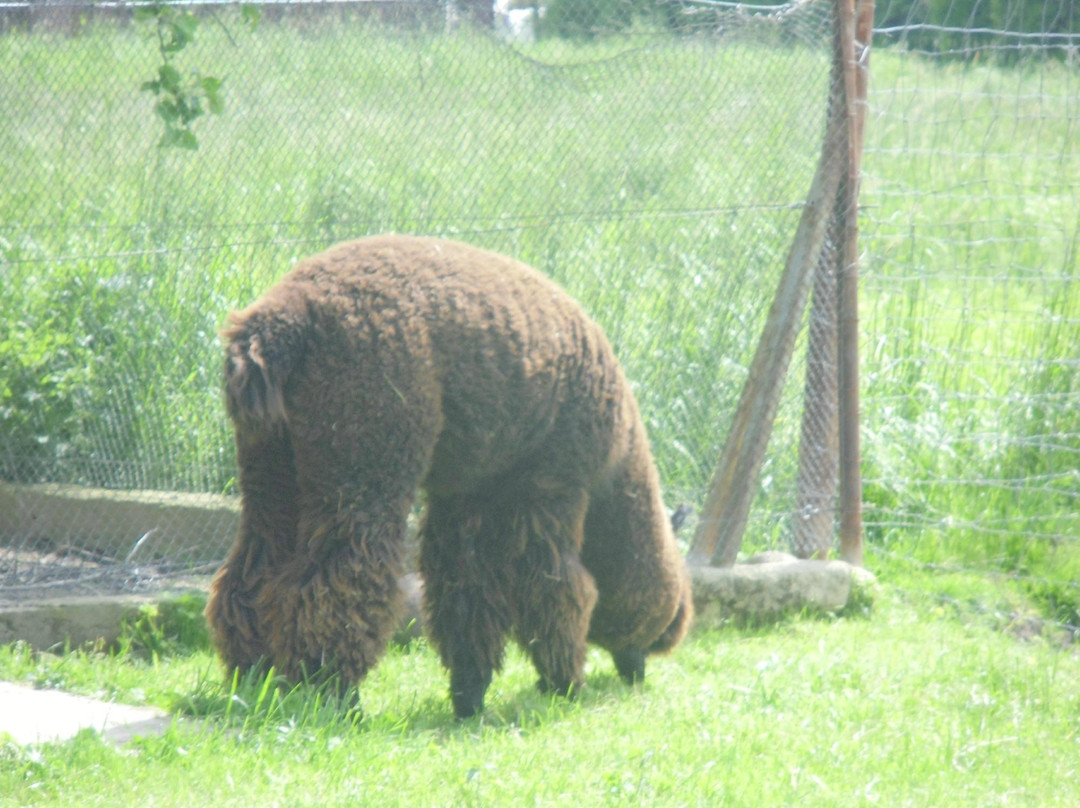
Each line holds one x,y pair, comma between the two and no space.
727,504
856,31
833,198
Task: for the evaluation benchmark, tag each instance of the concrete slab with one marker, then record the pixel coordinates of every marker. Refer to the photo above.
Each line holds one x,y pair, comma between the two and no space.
49,624
31,716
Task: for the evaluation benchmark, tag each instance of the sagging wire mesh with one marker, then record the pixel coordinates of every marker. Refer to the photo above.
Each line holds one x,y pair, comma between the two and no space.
813,523
652,159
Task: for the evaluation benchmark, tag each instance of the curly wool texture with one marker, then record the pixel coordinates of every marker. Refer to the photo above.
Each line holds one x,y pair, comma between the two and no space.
390,364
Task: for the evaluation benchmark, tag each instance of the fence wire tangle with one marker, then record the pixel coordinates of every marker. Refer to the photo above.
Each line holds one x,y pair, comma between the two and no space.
652,158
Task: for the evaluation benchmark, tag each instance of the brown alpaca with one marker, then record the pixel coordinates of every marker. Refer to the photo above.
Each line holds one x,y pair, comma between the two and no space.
392,364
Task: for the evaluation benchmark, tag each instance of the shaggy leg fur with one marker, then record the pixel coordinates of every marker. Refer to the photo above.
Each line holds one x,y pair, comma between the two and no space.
558,649
333,617
335,605
267,536
554,594
464,596
502,560
328,599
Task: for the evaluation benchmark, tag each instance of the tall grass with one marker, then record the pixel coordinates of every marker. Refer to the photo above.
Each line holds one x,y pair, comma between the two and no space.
591,164
971,319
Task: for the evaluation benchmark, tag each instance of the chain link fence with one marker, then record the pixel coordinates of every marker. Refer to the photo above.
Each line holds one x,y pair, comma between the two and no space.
652,157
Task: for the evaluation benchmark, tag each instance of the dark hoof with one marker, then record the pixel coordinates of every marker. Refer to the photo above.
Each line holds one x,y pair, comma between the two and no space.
567,689
630,663
467,693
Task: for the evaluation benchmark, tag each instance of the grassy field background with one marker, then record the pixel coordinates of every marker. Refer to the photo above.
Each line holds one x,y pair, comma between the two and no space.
659,180
601,169
971,319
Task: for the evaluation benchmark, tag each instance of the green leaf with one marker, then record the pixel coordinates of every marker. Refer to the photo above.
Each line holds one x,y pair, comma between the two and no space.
216,103
190,108
173,42
186,24
150,86
211,87
170,78
179,32
168,139
175,138
250,15
187,140
167,111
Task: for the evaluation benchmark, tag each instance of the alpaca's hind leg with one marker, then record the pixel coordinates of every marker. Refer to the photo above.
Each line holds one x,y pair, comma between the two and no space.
502,560
554,600
266,539
363,426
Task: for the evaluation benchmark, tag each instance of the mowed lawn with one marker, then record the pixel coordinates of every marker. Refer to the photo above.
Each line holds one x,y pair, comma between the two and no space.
912,704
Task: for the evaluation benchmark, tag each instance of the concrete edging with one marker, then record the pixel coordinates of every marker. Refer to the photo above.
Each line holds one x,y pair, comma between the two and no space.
119,524
758,592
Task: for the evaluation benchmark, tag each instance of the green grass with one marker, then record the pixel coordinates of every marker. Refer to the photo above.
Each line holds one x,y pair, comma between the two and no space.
920,705
656,178
656,182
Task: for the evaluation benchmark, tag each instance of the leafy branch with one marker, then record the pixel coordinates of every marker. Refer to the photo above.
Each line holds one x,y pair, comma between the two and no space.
182,99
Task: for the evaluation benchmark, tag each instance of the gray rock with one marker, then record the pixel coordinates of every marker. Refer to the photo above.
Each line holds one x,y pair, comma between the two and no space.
771,588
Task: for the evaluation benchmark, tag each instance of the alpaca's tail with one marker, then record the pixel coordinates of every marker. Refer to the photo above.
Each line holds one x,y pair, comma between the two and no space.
263,345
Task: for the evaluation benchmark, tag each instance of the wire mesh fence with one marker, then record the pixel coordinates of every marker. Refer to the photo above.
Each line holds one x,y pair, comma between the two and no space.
653,158
971,314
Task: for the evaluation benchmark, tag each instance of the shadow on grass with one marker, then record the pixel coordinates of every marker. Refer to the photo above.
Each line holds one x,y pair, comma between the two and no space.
406,694
255,703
